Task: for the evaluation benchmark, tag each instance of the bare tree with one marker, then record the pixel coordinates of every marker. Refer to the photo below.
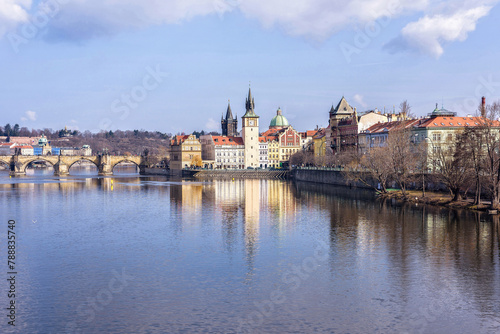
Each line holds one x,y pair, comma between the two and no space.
373,170
491,147
451,166
405,109
402,157
470,144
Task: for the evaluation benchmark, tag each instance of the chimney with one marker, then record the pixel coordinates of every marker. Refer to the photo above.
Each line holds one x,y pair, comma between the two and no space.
483,107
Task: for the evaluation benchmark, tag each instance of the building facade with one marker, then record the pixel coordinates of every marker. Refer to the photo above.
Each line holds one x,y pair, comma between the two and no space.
185,152
222,152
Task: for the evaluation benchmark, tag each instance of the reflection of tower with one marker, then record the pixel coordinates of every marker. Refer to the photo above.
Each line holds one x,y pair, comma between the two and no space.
230,123
188,200
228,197
252,216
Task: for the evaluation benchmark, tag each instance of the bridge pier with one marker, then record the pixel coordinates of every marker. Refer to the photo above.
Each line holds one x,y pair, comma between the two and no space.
61,169
16,167
15,173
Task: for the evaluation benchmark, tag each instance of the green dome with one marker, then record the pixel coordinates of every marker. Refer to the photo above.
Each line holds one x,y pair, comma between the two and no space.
42,141
279,120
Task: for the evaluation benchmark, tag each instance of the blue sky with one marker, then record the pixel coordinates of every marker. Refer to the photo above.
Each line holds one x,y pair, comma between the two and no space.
173,65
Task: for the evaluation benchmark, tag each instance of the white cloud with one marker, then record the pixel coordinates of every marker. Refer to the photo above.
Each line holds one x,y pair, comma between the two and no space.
359,100
29,116
318,19
12,12
84,19
212,125
431,32
441,21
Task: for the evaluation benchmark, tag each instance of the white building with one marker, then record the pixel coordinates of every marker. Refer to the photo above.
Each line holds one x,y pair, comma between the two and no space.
223,152
7,148
263,152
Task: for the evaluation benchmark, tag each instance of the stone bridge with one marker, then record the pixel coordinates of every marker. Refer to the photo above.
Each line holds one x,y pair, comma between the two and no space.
62,163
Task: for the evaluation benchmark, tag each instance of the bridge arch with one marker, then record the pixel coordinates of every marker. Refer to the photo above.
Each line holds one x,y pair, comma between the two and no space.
26,163
125,160
81,159
5,163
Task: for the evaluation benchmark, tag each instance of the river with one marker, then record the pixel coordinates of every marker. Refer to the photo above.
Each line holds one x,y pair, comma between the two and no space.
134,254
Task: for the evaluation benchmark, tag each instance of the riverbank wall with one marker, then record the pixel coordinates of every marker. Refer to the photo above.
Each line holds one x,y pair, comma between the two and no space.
327,176
336,177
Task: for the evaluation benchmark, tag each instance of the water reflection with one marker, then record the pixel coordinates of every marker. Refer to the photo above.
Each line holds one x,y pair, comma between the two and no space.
207,255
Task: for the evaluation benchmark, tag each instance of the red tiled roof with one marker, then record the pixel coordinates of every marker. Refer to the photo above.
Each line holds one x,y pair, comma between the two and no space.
269,132
454,121
179,139
389,126
223,140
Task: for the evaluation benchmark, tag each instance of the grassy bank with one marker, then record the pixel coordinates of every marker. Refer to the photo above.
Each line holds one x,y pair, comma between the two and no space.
435,198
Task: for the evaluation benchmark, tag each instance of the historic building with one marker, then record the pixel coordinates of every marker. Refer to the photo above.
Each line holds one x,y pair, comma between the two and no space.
345,125
230,123
263,152
222,152
185,152
250,133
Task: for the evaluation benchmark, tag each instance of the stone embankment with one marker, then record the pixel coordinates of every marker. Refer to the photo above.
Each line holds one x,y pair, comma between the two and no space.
242,174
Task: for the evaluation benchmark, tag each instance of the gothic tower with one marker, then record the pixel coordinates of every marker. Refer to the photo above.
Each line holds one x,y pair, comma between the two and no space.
230,123
250,133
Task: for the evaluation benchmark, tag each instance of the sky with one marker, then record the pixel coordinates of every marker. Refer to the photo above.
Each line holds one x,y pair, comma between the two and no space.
174,65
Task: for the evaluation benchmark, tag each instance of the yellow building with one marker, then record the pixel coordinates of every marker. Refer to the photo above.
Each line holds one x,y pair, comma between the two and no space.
320,143
273,153
185,152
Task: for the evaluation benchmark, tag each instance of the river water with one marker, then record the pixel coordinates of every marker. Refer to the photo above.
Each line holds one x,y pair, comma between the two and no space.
131,254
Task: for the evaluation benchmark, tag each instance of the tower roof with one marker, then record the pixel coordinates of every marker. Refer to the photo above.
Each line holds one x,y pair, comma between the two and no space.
342,108
229,113
442,112
250,105
279,120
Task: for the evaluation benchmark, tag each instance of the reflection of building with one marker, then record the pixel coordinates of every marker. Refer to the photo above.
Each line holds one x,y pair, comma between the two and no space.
185,152
252,215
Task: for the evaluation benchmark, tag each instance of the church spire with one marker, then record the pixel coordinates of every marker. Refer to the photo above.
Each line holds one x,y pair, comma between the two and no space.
229,113
250,103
